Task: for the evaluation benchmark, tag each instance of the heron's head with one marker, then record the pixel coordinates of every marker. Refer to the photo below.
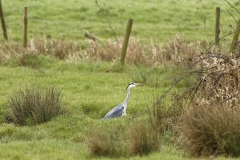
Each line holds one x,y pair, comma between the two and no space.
132,84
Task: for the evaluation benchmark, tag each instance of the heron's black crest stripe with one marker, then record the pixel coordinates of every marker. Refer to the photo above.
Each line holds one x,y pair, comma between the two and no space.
131,83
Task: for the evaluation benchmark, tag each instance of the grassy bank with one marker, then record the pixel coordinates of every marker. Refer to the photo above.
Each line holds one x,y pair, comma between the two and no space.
159,20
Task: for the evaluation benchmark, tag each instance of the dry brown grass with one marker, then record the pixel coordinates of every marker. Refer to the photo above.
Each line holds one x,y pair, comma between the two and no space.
210,131
139,52
146,53
48,47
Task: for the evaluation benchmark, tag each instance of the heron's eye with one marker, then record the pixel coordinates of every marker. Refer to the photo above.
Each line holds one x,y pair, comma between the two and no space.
122,107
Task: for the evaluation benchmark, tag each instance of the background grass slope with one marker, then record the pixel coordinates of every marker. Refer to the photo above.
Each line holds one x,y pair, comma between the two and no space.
160,20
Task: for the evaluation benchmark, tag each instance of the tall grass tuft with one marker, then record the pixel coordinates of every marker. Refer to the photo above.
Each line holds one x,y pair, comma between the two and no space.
32,105
210,131
144,139
108,142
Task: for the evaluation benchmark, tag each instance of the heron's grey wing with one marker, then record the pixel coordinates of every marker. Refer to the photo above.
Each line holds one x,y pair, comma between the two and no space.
115,112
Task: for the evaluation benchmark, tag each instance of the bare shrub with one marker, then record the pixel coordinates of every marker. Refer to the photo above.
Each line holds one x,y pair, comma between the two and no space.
209,126
32,106
219,81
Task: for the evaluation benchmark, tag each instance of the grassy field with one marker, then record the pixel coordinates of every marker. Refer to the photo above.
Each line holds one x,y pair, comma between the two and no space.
88,91
159,20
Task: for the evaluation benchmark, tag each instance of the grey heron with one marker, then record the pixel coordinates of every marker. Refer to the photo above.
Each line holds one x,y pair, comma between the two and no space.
120,110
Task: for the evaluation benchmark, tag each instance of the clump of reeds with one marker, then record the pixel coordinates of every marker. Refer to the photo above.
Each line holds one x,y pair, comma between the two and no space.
108,142
32,105
210,131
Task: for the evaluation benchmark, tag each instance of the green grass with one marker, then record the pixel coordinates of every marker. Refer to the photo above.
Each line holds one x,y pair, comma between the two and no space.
86,84
155,19
43,149
88,92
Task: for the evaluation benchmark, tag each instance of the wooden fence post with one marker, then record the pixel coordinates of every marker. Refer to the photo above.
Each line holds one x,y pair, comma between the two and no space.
3,22
125,42
217,27
235,39
25,21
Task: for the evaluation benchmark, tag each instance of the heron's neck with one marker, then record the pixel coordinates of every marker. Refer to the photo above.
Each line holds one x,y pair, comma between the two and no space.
128,97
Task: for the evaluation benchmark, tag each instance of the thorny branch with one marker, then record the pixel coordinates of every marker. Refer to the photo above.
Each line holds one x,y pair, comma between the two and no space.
185,73
193,90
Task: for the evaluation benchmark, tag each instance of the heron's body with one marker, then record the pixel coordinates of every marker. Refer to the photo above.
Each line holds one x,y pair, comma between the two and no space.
120,110
117,111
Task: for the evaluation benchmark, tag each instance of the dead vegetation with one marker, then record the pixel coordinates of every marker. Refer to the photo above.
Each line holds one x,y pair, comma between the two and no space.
210,131
139,52
209,125
145,53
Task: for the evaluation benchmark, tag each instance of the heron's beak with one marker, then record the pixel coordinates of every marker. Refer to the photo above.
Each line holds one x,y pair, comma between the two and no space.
138,84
